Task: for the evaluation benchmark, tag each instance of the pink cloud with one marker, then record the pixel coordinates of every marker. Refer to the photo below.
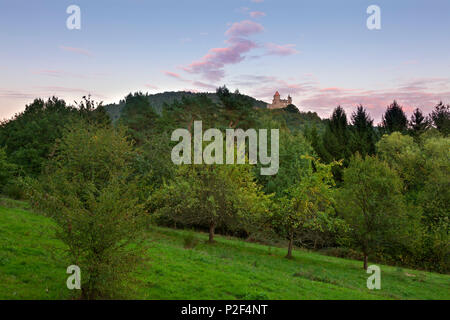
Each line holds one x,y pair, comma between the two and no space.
244,29
257,14
172,74
76,50
280,50
150,86
212,64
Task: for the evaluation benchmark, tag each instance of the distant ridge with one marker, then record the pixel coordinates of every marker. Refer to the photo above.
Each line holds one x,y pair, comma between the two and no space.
157,101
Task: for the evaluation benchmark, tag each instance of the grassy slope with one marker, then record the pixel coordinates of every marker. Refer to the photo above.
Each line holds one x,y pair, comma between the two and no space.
229,269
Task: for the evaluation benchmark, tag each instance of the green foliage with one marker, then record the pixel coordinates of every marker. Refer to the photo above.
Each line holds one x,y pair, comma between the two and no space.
139,117
29,137
292,146
7,170
212,196
403,155
89,191
424,169
308,204
238,108
372,204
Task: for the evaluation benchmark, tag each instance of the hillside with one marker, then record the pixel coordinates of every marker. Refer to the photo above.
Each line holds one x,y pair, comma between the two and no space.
31,268
294,119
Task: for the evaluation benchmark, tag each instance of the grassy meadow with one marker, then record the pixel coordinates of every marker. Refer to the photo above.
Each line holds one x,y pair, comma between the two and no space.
31,268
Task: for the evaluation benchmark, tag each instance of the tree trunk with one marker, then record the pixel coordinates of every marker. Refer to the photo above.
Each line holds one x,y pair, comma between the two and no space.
365,261
291,243
212,227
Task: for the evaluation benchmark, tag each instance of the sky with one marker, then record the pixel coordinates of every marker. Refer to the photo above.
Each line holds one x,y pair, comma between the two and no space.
320,52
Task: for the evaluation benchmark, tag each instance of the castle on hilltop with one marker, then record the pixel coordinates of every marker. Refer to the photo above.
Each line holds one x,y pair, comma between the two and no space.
279,103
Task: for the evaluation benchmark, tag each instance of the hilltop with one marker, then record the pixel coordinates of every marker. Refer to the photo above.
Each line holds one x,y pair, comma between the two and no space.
291,115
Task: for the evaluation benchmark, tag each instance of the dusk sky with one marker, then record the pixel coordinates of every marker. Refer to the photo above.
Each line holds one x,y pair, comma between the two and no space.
319,52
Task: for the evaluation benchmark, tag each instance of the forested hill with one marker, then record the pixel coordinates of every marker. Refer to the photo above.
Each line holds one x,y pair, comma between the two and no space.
158,100
291,116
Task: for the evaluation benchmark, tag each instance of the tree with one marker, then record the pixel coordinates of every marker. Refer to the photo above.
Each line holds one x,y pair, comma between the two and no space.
394,119
363,137
89,190
372,204
441,118
211,196
307,204
336,141
418,123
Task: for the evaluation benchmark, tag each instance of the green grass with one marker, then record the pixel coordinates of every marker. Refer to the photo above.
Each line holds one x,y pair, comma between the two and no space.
228,269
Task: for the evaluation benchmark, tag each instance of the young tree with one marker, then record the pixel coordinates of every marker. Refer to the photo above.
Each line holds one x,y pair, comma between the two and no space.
211,196
308,204
363,137
372,204
89,191
394,119
441,118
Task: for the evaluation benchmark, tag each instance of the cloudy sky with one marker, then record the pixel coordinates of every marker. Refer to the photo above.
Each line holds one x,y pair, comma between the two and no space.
320,52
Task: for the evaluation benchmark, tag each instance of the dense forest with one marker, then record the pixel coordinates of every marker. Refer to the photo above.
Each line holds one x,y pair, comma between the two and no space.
345,186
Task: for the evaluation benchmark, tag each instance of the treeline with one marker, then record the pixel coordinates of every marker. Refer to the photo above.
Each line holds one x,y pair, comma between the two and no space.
347,188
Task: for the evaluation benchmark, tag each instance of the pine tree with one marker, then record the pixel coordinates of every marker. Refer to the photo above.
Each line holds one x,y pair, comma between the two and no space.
336,136
441,118
394,119
418,123
363,137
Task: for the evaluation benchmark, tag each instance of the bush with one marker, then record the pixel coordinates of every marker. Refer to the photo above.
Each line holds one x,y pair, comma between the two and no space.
89,190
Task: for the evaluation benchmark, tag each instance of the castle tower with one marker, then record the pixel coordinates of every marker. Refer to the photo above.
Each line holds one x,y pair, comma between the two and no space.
276,97
279,103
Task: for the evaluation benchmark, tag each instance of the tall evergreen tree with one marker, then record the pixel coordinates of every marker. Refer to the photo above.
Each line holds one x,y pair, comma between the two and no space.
363,137
336,141
394,119
336,136
441,118
418,123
